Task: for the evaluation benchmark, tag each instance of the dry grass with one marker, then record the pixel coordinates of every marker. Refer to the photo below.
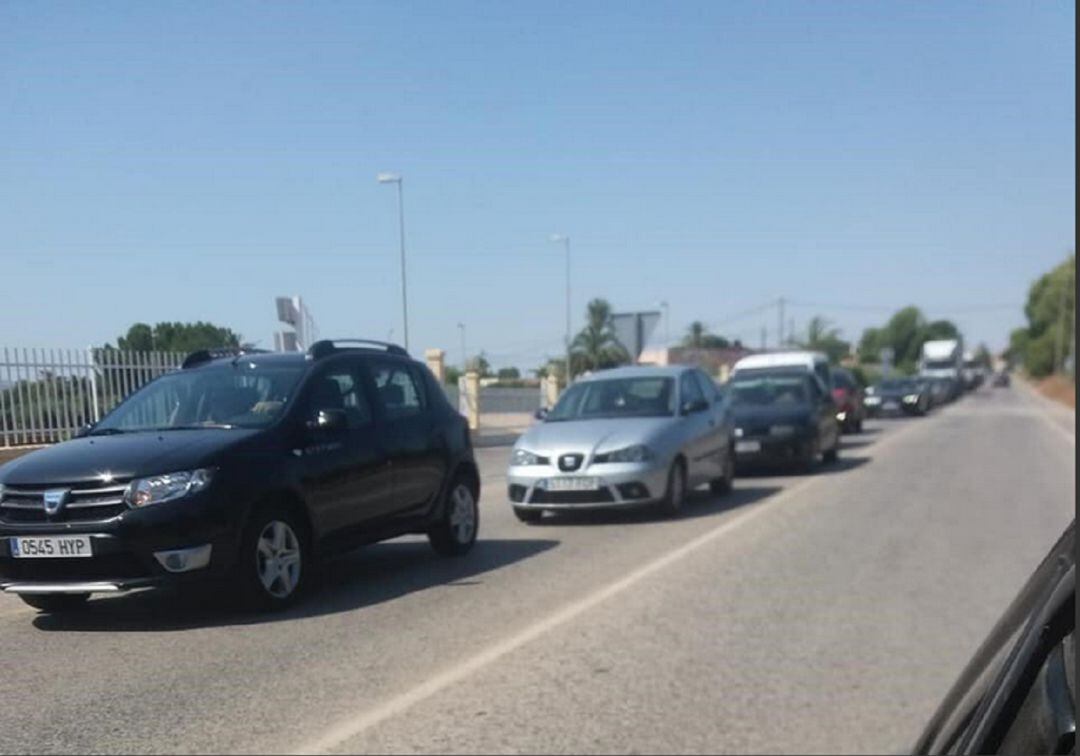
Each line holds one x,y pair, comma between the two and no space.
1060,388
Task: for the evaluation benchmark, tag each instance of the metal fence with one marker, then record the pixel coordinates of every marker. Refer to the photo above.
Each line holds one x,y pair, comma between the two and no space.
501,399
46,395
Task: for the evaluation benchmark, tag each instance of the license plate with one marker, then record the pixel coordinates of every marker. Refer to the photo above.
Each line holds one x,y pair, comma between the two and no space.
891,406
573,484
51,547
745,447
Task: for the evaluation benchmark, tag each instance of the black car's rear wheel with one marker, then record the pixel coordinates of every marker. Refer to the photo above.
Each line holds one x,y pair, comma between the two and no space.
455,533
55,602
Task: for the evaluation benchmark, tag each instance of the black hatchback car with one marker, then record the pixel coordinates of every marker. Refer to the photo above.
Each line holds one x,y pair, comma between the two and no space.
782,415
244,467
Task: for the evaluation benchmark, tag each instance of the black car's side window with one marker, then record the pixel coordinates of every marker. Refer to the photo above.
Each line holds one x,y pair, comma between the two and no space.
339,389
399,390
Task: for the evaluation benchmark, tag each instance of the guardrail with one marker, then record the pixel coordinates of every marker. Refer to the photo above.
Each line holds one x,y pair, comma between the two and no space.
46,395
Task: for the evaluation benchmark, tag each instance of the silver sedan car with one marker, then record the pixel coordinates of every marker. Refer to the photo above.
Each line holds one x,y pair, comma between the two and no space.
630,436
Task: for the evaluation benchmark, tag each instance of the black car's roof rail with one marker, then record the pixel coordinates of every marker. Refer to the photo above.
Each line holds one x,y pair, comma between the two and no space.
326,347
199,356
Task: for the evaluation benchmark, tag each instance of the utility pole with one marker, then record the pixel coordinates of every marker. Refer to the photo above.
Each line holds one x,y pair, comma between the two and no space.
464,353
764,338
780,325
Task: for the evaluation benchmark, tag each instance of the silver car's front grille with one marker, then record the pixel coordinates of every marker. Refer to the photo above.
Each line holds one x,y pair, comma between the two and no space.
27,504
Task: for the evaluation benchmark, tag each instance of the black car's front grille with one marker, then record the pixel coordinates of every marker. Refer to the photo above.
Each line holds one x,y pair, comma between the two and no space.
541,496
21,504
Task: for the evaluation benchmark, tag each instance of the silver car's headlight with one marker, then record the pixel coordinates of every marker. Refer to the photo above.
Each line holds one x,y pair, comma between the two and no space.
142,492
911,398
521,457
635,453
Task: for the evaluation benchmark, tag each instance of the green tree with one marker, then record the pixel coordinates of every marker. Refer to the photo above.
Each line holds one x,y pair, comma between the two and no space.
178,337
480,364
821,336
596,346
509,374
1051,312
698,337
451,375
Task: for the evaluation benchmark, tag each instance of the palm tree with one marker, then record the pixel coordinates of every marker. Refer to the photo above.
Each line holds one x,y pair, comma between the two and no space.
596,346
695,334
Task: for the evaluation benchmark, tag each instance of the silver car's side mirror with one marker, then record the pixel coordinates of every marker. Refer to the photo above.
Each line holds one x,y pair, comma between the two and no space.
541,414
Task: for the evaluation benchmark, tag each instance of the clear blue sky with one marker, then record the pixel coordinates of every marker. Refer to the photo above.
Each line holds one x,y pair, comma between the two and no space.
181,161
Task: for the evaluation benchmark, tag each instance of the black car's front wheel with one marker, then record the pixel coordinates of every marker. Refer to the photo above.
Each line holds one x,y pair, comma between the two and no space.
456,531
54,603
274,559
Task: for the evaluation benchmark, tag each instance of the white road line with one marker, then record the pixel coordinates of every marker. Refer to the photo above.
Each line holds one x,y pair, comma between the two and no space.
352,726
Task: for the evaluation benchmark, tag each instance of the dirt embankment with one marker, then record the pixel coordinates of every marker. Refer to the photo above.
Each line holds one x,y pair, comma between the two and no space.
1060,388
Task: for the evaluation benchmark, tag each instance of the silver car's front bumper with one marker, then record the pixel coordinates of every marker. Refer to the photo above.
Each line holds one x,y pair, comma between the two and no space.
614,483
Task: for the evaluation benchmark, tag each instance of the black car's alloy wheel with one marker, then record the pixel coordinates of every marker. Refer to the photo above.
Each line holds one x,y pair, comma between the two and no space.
274,559
456,532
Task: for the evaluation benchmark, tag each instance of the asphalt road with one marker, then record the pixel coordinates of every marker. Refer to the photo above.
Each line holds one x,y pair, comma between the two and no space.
822,613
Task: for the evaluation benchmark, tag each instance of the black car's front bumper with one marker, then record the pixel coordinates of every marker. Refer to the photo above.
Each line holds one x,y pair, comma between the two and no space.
769,449
180,541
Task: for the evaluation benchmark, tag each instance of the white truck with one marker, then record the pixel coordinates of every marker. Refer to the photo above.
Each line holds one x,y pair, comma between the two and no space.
943,358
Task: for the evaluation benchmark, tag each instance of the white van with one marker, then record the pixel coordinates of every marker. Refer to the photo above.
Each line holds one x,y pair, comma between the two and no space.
814,362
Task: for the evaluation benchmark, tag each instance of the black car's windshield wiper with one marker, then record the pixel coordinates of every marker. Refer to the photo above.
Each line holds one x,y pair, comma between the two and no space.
223,426
107,432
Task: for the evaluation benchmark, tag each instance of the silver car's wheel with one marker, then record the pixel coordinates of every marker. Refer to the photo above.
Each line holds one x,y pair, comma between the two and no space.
676,489
278,560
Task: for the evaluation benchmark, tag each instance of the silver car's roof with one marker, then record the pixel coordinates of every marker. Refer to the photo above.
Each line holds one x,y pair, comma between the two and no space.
638,371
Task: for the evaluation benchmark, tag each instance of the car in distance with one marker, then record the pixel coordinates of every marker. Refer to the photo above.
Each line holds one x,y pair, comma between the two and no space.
848,395
625,437
1001,379
242,467
897,396
782,415
1018,693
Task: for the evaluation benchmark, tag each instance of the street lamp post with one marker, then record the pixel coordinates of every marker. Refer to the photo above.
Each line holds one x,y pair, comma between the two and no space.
667,324
394,178
464,354
565,241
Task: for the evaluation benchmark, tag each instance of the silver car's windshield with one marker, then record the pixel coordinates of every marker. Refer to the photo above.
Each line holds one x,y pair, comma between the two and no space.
617,397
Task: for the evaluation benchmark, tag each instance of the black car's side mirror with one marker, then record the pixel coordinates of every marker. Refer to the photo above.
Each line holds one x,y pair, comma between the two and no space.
541,413
695,405
329,420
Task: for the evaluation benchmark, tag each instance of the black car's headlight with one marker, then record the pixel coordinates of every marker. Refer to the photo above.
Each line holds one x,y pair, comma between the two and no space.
156,489
911,399
522,458
635,453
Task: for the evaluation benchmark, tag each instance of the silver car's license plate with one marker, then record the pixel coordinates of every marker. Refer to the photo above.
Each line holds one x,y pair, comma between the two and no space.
51,547
573,484
747,447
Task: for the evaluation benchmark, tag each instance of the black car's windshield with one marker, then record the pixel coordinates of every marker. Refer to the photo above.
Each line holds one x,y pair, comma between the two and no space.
899,385
616,397
241,395
768,390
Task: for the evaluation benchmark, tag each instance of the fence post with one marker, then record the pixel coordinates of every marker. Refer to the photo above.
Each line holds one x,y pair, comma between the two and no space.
93,384
551,389
472,398
436,362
